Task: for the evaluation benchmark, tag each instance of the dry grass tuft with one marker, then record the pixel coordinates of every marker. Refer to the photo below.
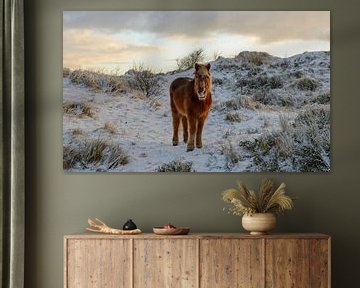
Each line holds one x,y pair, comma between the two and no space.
99,81
233,117
138,96
92,154
78,109
110,128
154,103
77,131
242,102
66,72
176,166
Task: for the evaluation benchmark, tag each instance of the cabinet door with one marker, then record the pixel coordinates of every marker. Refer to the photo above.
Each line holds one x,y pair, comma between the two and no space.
231,263
98,263
320,263
166,263
287,263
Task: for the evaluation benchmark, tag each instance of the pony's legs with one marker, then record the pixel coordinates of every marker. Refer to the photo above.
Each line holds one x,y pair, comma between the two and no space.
192,130
176,122
185,129
200,127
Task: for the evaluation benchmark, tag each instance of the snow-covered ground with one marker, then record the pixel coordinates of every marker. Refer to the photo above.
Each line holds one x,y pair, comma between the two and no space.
267,97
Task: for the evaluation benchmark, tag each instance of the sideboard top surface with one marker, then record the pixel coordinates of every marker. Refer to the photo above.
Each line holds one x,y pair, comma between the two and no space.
87,235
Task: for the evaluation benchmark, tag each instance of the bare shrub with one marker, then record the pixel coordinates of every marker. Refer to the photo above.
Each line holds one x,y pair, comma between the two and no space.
271,152
116,84
145,80
316,117
92,154
228,133
307,84
233,117
261,96
190,60
261,82
269,97
93,80
322,98
216,55
298,74
284,123
232,104
256,58
217,81
66,72
304,146
99,81
275,82
241,102
254,71
78,109
266,121
231,155
285,63
176,166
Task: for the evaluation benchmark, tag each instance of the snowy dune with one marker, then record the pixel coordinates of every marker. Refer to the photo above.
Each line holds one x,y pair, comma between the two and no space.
257,121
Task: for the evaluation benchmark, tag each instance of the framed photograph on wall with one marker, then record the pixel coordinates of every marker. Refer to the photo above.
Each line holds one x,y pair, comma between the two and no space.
196,91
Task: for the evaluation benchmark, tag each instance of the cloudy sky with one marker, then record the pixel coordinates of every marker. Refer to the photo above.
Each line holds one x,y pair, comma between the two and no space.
116,40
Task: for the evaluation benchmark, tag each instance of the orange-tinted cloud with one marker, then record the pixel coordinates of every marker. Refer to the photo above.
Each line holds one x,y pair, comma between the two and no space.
84,47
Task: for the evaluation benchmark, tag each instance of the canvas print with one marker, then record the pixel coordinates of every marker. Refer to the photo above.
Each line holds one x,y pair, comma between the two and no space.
196,91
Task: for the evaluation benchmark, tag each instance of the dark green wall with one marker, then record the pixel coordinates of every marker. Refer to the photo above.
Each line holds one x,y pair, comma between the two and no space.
59,203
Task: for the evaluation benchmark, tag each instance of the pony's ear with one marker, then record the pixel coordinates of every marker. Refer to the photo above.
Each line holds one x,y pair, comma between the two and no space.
208,66
197,66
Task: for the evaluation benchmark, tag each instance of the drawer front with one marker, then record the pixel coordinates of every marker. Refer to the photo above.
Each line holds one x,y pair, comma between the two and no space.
98,263
231,263
169,263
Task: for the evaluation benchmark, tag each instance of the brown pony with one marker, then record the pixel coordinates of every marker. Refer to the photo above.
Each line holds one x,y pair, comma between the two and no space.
190,101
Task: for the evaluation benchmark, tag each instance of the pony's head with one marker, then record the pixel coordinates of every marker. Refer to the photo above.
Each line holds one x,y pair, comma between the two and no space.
202,84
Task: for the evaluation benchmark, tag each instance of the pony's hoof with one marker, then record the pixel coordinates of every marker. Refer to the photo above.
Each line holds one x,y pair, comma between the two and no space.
175,144
199,145
189,149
